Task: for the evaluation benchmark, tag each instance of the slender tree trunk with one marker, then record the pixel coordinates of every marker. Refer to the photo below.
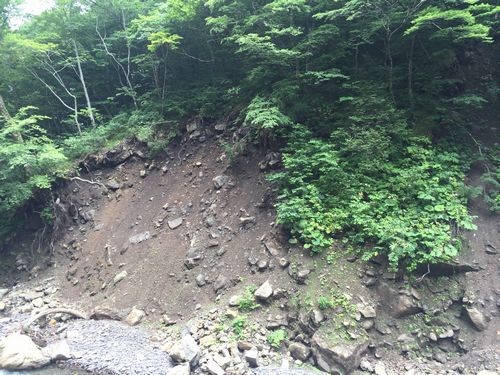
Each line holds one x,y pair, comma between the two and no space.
6,115
85,91
3,109
410,72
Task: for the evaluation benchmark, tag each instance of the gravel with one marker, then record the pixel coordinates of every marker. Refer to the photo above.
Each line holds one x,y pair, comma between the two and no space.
112,348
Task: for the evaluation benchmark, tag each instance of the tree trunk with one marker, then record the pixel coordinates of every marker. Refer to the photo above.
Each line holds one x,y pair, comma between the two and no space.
85,91
3,109
6,115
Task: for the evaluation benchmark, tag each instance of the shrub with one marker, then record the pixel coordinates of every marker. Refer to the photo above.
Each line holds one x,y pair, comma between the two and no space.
247,301
382,185
276,338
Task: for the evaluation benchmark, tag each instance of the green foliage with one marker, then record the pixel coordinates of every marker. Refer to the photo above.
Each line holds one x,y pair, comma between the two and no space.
377,184
29,163
239,324
276,338
247,301
336,300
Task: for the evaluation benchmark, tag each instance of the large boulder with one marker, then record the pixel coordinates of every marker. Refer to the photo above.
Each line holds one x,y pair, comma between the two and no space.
19,352
186,350
264,292
337,358
398,305
477,318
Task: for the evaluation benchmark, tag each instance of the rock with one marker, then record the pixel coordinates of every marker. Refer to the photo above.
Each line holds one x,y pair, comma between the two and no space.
134,317
380,368
57,351
222,360
143,173
19,352
245,345
186,350
119,277
487,372
208,341
477,318
490,249
365,365
105,313
317,317
220,283
141,237
192,126
88,215
439,357
264,292
252,357
302,276
37,302
167,320
234,301
247,222
213,368
220,181
3,292
220,126
338,357
175,223
398,305
367,324
193,257
272,247
299,351
271,161
180,370
113,184
283,262
2,306
200,280
368,312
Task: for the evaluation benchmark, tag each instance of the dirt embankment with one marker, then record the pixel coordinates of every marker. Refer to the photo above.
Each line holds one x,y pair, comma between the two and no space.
186,237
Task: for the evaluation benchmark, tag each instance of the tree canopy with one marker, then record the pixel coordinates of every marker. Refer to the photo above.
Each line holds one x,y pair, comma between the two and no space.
374,101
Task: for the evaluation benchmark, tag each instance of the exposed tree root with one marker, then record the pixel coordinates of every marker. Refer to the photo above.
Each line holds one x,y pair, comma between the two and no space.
59,310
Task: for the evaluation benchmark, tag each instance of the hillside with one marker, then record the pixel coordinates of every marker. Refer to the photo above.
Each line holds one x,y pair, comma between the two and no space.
249,186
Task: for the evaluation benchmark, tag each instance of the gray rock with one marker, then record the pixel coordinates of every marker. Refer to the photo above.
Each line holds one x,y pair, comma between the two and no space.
220,181
113,184
477,318
192,126
252,357
220,126
3,292
141,237
302,276
337,357
264,292
368,312
19,352
317,317
175,223
213,368
134,317
57,351
186,350
2,306
200,280
380,368
88,215
245,345
180,370
119,277
299,351
220,283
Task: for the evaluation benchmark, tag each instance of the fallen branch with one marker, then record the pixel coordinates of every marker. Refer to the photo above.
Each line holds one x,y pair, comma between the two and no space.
88,181
60,310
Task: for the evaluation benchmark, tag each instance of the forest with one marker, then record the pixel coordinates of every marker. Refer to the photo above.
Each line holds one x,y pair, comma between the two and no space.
381,108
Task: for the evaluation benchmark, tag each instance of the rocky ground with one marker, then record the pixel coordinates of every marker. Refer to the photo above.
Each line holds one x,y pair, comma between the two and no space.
185,246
